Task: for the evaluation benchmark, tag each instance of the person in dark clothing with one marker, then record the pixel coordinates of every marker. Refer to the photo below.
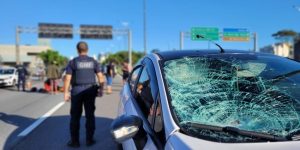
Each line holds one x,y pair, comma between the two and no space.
110,74
80,73
22,73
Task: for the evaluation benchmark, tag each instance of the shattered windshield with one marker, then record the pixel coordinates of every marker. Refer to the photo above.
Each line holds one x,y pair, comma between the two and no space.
249,92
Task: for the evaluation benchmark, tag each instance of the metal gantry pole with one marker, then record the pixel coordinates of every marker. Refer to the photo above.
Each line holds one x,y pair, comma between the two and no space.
145,29
254,42
181,40
129,48
18,45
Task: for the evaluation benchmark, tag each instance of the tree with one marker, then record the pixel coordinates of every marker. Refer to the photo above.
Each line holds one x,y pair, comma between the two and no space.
51,56
286,35
122,56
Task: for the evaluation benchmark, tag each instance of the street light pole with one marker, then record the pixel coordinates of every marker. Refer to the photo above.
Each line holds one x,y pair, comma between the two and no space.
145,33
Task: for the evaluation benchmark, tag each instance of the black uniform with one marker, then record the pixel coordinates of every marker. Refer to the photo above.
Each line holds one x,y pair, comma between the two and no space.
84,91
22,73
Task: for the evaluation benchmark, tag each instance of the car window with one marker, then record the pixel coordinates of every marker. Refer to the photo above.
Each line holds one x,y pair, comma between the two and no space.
6,71
133,78
143,94
147,97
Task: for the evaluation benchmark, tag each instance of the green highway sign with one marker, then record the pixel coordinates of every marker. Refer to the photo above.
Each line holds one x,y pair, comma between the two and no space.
207,33
233,34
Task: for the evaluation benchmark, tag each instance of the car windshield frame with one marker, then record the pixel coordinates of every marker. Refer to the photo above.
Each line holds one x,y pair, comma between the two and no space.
166,86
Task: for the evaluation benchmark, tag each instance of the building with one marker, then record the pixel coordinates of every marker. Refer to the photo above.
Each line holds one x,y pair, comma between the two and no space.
102,57
267,49
28,55
280,49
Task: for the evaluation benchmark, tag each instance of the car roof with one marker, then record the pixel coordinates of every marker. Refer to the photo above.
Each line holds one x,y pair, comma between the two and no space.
167,55
6,67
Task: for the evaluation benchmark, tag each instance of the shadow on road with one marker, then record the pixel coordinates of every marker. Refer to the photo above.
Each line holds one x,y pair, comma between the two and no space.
53,133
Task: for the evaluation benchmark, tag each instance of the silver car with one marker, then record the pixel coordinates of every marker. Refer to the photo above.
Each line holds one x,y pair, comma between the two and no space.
210,100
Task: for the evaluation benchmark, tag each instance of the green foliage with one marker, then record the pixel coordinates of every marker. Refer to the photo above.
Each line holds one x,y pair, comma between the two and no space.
122,56
286,35
51,56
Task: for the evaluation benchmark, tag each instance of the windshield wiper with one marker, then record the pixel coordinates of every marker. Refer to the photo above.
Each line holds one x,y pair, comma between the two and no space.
237,131
294,135
284,76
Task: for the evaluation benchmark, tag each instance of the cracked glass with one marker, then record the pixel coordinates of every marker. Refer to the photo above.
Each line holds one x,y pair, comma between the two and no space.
250,92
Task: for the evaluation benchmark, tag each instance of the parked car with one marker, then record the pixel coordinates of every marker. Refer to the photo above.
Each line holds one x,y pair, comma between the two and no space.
210,100
8,76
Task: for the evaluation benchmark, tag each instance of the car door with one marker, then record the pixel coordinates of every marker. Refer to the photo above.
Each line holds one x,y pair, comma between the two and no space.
143,96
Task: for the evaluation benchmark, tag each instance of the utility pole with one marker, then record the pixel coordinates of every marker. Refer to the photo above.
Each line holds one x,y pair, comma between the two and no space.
18,45
145,31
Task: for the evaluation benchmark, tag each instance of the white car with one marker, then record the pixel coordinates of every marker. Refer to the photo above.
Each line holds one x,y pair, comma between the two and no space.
210,100
8,76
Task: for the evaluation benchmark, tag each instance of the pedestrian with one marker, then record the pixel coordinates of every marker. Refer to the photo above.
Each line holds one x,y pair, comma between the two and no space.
53,75
125,70
22,73
110,74
80,74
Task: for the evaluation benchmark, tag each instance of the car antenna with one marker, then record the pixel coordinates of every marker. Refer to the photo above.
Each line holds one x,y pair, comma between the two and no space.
202,37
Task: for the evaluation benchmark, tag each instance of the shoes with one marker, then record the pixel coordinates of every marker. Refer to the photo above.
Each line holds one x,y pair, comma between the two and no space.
74,144
90,142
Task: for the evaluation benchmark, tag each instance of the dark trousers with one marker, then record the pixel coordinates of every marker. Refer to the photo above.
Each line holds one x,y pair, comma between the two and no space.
21,82
86,99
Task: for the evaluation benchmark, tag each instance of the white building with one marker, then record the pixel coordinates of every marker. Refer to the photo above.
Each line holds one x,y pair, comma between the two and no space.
28,55
280,49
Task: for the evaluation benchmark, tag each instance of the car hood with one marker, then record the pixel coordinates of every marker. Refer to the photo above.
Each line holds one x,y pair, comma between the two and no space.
182,141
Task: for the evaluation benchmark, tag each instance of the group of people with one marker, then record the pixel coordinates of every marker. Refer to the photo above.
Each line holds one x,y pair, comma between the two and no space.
50,85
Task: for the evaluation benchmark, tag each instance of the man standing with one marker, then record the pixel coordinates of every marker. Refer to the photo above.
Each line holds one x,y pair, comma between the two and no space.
80,73
53,75
22,73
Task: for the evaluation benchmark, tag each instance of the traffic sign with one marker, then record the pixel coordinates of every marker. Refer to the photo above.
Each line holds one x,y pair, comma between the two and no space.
207,33
236,34
95,32
51,30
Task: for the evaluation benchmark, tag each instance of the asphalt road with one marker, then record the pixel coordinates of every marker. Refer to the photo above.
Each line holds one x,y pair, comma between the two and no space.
20,110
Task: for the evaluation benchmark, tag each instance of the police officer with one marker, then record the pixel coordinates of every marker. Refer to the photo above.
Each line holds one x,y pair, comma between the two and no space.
22,72
80,73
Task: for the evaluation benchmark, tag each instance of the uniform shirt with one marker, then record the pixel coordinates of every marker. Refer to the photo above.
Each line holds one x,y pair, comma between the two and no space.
76,89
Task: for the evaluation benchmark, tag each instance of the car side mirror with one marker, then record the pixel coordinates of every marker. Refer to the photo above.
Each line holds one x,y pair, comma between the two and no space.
125,127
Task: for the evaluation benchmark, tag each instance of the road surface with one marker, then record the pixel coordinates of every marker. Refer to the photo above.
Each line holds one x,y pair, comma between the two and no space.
41,121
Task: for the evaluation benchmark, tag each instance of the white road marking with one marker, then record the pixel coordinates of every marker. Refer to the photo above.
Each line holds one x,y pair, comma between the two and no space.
40,120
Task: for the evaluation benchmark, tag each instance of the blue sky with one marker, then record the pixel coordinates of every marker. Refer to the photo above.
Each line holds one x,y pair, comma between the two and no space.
165,19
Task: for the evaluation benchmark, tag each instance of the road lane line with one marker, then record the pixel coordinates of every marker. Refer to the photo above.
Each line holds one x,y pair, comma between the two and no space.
40,120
